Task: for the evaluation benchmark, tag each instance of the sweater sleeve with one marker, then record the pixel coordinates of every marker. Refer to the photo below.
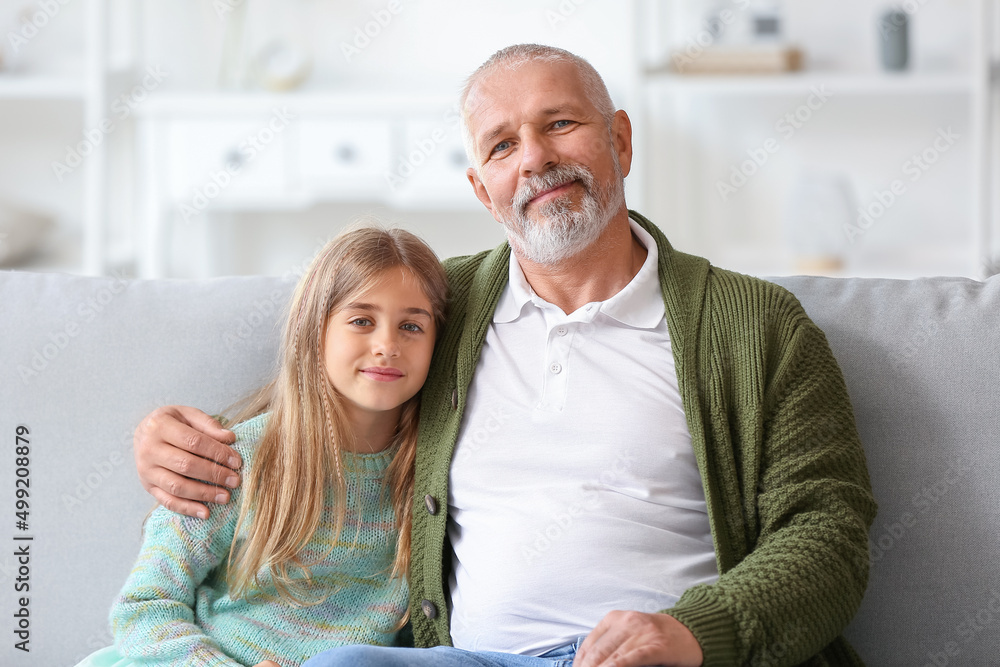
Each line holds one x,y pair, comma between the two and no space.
806,569
153,618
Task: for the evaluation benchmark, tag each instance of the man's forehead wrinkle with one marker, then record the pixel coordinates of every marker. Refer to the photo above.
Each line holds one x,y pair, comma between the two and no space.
566,107
478,103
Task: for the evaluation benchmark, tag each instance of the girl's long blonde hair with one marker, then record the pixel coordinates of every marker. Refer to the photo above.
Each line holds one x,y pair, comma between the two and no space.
299,453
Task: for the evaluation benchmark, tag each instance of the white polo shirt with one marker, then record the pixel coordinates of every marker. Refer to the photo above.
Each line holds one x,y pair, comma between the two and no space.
574,489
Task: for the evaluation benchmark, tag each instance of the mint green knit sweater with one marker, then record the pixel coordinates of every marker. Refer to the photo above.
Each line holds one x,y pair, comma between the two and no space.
175,607
773,432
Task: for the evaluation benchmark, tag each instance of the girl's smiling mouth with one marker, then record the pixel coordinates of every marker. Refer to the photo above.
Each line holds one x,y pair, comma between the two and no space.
382,373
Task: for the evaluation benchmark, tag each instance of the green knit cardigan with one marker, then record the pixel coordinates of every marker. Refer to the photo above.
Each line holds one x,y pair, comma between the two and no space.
786,483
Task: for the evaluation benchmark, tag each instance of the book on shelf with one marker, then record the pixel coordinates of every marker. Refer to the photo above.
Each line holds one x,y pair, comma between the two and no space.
735,60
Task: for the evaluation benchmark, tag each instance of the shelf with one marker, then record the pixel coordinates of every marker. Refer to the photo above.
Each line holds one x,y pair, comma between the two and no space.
796,83
13,87
347,101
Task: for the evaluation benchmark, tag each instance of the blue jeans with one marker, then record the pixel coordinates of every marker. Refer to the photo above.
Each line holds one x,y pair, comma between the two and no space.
439,656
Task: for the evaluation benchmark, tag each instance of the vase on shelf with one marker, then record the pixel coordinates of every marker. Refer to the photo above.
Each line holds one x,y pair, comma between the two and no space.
894,40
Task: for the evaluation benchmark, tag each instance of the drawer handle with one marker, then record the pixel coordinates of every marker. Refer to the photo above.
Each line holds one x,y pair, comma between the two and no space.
235,157
345,153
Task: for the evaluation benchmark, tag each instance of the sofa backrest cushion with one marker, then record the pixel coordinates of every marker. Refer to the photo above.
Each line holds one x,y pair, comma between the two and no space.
922,363
82,360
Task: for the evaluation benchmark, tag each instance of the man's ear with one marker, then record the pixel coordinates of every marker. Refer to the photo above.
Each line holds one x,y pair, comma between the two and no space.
621,132
480,190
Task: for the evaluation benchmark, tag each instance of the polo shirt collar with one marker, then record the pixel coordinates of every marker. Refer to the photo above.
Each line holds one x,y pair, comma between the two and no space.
639,304
515,296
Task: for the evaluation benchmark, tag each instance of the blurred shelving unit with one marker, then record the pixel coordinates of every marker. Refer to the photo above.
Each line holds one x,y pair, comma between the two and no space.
797,83
669,106
337,146
88,89
345,144
14,88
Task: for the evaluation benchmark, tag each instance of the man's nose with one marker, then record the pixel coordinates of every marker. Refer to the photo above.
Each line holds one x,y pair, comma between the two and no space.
537,154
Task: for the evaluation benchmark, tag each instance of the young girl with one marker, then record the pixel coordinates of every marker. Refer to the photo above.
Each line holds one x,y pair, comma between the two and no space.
313,550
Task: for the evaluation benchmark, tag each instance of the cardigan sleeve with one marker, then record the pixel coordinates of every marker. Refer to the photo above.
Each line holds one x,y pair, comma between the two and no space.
806,567
153,618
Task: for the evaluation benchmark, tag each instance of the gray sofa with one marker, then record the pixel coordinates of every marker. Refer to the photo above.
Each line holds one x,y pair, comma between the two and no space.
83,359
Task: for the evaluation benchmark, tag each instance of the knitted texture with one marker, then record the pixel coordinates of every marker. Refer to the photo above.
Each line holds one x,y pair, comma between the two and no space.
785,479
175,608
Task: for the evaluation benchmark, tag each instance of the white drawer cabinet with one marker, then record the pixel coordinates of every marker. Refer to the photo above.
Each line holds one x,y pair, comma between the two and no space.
200,154
429,170
220,163
345,158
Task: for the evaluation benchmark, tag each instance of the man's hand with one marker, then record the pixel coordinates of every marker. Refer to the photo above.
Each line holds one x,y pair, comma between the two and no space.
174,447
635,639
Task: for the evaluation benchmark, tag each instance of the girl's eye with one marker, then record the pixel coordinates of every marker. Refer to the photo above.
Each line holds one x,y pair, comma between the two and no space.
411,327
361,321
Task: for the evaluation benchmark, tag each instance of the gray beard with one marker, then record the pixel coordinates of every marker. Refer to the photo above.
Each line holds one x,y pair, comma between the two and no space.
561,232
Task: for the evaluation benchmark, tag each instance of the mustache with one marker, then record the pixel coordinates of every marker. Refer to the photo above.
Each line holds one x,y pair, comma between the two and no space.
558,175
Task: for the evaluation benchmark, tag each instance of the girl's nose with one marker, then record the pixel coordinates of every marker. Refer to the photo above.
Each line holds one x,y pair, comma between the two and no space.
385,344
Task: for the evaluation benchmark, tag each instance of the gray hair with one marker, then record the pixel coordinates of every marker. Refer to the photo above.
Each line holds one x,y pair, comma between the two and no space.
514,57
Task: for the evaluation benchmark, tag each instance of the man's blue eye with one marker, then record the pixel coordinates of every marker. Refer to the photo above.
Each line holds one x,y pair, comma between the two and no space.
502,146
561,123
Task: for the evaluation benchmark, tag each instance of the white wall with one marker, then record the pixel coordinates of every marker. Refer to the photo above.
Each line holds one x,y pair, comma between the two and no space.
431,46
428,47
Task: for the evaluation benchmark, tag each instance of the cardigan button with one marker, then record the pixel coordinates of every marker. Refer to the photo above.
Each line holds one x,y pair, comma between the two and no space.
430,609
454,398
431,504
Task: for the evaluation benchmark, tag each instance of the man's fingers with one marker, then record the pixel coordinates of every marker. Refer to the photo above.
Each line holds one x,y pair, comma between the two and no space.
183,488
200,470
179,505
183,436
638,656
173,456
206,424
595,655
586,655
636,639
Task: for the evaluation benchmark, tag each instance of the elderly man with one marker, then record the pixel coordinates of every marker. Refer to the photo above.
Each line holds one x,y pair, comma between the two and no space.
627,456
